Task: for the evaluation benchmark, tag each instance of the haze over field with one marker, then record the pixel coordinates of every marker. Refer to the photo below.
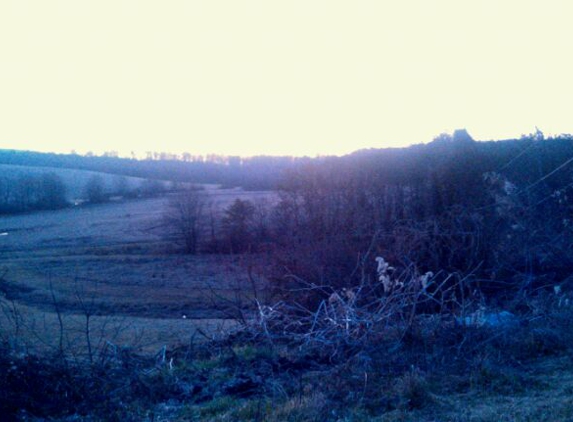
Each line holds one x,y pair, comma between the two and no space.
267,77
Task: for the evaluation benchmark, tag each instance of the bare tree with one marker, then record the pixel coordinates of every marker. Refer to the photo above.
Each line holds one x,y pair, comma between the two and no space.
184,214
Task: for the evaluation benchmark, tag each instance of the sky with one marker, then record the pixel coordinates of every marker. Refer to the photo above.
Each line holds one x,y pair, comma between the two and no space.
296,77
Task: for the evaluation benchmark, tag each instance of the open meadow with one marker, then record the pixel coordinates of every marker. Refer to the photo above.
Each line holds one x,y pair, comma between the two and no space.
114,268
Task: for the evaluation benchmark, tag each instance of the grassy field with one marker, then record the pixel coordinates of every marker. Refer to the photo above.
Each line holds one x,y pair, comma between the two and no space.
117,263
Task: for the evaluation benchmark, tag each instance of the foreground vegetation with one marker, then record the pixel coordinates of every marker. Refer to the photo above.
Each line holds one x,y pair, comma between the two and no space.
435,369
429,283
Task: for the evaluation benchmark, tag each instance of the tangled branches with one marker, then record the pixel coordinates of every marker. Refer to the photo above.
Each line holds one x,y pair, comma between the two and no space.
386,307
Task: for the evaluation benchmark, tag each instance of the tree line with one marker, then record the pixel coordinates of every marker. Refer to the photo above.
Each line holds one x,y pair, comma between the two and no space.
500,211
257,173
32,192
47,191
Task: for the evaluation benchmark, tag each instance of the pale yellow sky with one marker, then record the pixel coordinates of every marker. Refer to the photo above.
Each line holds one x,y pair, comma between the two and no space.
279,77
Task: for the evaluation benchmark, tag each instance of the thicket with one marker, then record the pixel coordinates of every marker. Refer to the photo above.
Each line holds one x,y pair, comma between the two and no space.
500,210
349,360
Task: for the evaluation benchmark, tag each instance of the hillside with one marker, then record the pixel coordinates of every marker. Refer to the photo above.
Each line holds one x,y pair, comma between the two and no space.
74,180
258,173
411,284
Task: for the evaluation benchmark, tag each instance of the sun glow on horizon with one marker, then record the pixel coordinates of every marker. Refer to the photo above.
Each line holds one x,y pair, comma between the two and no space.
262,77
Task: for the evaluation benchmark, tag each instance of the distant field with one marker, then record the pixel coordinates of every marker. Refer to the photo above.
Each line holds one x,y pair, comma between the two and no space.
117,260
75,180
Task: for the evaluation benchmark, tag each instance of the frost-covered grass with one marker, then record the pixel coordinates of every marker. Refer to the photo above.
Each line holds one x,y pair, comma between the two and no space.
74,180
